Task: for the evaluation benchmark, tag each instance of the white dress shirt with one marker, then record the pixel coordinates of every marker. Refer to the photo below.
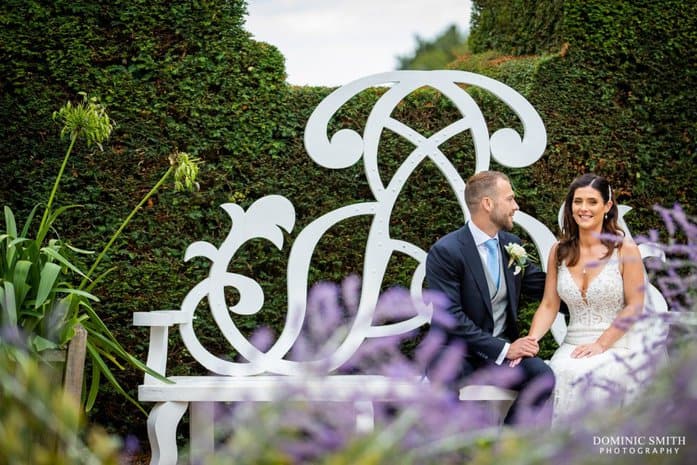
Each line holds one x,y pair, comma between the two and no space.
480,237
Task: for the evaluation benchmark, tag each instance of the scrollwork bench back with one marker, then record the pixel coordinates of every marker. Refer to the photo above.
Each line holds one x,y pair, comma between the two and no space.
268,375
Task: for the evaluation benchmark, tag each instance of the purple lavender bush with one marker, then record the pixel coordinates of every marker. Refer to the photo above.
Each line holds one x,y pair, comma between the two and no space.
433,427
421,424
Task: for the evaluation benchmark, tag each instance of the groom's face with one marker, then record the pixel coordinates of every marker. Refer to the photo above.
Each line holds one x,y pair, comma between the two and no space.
505,205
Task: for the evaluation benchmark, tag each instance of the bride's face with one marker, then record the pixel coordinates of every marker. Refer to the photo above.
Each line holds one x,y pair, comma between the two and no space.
588,208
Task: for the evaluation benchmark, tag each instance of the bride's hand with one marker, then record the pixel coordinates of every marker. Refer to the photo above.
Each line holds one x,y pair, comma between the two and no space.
587,350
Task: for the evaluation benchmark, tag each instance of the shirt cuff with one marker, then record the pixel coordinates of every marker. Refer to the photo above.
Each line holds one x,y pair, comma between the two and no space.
502,355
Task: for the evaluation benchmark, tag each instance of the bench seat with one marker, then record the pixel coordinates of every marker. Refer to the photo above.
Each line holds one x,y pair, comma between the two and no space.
339,388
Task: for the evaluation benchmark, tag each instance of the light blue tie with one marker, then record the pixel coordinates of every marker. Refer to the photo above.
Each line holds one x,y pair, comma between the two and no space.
492,259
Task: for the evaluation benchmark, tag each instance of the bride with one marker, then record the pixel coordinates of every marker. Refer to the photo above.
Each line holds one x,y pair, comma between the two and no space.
601,280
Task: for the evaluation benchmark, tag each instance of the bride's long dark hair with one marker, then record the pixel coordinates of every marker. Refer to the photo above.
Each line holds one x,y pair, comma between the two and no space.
569,248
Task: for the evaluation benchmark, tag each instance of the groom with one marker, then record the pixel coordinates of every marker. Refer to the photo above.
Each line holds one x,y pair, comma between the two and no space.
470,267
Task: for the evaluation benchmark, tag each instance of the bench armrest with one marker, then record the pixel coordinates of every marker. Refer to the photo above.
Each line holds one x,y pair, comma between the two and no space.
159,322
159,318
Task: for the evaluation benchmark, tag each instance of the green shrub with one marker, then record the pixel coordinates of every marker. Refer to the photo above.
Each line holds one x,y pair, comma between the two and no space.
44,425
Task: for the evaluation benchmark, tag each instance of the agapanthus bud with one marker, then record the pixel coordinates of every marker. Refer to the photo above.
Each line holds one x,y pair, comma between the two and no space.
88,118
185,172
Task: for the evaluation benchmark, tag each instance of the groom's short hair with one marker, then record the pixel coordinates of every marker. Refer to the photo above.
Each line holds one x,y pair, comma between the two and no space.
480,185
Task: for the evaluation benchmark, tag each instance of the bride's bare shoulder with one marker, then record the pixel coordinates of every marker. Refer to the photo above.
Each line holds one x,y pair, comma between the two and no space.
629,248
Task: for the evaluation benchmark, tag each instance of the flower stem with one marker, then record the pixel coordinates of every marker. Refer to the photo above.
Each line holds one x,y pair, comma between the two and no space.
123,225
43,226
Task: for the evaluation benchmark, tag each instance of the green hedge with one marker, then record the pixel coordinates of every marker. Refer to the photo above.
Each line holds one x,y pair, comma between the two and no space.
618,97
518,27
186,75
174,75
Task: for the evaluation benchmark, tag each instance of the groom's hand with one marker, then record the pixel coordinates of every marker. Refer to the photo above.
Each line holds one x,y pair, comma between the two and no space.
523,347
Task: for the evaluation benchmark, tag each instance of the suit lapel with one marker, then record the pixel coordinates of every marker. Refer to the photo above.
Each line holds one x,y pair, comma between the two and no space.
510,277
474,262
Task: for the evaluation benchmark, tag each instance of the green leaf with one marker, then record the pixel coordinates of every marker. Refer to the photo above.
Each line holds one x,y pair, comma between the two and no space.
100,336
82,251
53,253
30,313
77,292
94,319
7,300
10,223
22,287
94,387
16,241
10,253
27,224
99,278
39,343
97,359
54,215
54,322
49,274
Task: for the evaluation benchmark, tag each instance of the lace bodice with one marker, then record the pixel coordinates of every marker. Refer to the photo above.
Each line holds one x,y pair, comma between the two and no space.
604,298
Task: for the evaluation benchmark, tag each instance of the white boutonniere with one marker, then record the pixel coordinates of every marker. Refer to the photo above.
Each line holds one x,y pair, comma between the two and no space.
518,255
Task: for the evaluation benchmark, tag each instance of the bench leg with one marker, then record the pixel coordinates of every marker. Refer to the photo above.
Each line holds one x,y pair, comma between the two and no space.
495,410
162,432
499,409
365,416
201,430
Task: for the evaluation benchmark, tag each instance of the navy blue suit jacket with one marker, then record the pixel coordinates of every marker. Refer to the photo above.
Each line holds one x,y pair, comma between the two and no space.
454,267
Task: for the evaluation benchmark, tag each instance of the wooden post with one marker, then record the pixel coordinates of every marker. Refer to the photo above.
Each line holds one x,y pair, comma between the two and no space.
75,363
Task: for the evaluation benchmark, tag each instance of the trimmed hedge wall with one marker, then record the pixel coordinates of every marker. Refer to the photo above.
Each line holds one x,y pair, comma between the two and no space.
618,99
519,27
618,96
173,75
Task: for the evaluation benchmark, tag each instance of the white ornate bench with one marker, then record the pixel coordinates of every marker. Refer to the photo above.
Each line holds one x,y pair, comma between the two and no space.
269,375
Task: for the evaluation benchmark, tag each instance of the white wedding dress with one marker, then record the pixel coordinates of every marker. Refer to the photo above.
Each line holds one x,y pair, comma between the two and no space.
581,382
